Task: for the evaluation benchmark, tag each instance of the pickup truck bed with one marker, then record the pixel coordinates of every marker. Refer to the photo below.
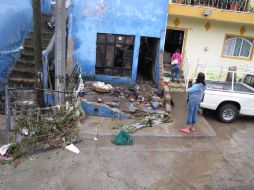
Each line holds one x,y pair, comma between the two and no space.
218,85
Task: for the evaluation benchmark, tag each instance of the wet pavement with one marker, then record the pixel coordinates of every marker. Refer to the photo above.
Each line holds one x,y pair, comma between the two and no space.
224,162
106,128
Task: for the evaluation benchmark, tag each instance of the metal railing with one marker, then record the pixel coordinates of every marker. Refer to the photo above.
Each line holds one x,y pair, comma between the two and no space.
20,99
45,54
233,5
224,73
186,69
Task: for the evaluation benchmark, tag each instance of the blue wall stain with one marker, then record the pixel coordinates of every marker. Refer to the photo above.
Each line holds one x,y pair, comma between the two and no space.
6,65
139,18
102,110
15,22
46,6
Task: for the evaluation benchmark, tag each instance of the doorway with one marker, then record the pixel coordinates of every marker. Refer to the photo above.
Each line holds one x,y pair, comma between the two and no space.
175,39
147,58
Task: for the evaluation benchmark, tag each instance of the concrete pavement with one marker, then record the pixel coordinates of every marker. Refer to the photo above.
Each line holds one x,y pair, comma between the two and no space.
223,162
106,128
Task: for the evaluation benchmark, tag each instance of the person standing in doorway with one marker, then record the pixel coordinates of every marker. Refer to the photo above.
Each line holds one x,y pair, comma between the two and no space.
176,61
195,96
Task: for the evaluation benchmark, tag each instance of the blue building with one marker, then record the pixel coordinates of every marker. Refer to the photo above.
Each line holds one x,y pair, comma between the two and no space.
118,40
15,22
16,19
115,40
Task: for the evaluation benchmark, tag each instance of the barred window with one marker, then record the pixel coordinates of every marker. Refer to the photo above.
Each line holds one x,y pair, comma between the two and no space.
114,54
238,47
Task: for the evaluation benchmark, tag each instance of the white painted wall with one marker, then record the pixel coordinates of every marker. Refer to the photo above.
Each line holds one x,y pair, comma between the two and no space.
251,3
198,39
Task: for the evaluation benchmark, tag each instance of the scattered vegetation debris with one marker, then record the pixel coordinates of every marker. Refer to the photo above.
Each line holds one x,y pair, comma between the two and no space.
38,129
44,129
149,121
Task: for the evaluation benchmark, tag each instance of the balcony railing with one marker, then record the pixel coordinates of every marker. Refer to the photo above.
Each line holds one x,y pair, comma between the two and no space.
233,5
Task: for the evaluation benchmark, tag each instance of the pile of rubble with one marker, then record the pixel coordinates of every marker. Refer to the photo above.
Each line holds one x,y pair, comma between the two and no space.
142,98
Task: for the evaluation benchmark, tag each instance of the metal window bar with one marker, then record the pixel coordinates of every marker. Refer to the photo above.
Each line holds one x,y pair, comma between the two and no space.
219,4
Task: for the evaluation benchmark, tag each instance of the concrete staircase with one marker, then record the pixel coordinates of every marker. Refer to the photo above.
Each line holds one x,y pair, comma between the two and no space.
174,86
23,73
177,87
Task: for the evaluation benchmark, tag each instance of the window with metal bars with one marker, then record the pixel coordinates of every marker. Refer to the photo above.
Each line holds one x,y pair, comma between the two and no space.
114,54
238,47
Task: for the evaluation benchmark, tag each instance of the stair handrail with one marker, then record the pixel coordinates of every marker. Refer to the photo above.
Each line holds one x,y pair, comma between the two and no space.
45,54
49,47
186,69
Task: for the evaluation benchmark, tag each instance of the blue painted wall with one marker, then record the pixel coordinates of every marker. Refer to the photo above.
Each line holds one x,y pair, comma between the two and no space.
46,6
15,22
130,17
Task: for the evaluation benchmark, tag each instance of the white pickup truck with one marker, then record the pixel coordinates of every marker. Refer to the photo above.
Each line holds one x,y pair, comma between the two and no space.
230,99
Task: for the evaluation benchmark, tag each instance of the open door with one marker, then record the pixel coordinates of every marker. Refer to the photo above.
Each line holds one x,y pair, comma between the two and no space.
147,58
175,39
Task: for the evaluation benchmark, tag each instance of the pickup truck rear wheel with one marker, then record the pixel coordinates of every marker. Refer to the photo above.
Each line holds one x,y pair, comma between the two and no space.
228,113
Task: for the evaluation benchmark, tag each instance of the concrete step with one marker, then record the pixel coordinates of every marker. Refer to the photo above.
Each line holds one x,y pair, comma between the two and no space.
18,81
45,17
27,55
31,38
44,29
23,62
177,85
177,89
44,34
23,72
30,48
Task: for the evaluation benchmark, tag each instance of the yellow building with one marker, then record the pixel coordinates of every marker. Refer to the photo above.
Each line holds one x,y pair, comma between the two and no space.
215,32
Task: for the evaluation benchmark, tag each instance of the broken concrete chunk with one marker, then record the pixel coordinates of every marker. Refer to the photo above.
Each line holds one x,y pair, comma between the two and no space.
113,104
167,107
102,87
155,105
156,98
129,107
132,99
132,108
4,149
99,100
167,98
141,98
